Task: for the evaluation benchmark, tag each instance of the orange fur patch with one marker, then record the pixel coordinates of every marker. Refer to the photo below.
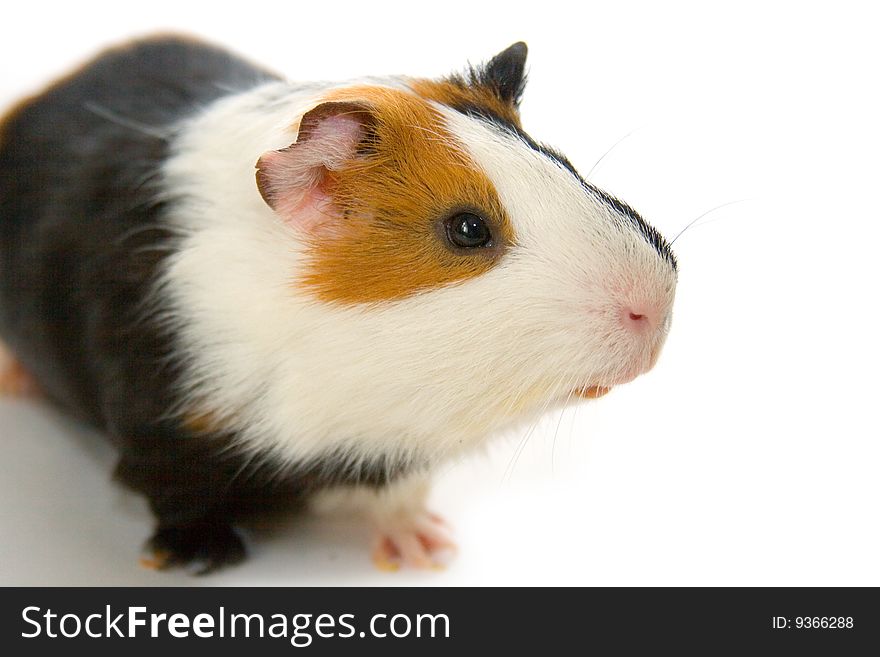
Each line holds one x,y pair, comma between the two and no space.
409,175
202,422
15,380
455,95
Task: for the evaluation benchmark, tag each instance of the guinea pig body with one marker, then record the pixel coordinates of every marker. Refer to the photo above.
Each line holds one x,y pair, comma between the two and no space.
271,293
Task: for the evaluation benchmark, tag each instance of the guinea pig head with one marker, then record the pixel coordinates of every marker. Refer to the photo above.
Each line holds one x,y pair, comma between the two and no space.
464,275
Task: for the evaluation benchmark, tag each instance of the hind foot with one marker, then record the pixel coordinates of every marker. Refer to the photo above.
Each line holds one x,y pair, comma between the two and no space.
204,546
14,380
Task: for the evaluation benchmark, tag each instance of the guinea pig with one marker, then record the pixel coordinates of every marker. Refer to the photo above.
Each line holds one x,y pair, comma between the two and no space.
276,295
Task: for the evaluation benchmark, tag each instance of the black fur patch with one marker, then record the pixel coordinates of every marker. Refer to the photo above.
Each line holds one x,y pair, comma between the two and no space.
504,73
83,233
212,545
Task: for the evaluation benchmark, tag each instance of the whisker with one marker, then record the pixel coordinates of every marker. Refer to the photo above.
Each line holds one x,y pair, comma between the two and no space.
137,126
613,146
717,207
571,428
559,424
511,465
549,399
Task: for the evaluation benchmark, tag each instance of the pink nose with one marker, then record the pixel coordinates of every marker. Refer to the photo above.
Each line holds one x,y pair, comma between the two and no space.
639,319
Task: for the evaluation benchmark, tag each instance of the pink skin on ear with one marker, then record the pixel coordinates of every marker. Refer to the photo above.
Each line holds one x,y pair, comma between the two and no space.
291,180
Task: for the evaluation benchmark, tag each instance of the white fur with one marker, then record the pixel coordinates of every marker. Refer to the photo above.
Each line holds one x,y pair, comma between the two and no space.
400,500
425,377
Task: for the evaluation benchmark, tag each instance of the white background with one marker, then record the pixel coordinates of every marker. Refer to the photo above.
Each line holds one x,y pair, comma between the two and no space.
749,456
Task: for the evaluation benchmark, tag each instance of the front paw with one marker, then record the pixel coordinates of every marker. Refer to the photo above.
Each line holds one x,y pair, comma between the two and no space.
206,545
418,540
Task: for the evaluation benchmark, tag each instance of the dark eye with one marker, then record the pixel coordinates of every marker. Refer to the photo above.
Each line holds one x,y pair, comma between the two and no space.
468,231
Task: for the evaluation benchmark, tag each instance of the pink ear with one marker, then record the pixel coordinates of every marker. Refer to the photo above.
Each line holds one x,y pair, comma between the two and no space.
291,179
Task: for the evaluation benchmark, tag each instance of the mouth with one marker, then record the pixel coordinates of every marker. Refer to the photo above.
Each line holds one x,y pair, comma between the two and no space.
592,392
596,391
